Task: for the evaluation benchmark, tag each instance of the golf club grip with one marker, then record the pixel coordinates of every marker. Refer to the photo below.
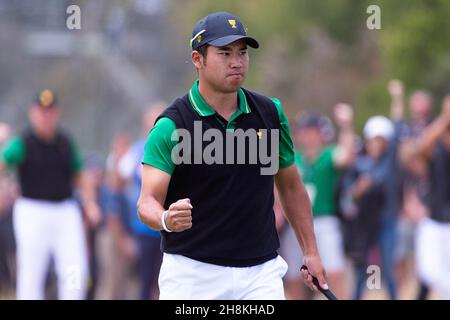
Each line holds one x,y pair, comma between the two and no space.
326,292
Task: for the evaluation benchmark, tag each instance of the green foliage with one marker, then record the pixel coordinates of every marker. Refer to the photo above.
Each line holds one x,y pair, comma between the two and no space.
373,100
416,42
413,44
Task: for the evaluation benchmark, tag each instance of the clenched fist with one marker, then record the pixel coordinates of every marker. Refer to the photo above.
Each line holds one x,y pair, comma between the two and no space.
179,216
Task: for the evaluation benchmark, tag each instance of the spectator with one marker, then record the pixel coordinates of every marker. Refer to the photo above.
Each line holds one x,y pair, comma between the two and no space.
124,247
7,243
374,186
94,181
318,163
47,220
130,168
433,235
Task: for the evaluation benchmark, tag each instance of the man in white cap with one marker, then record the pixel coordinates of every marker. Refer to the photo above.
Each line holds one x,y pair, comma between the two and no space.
216,220
376,195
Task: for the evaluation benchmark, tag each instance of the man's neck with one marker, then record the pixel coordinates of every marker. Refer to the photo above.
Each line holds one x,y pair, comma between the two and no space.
311,153
224,104
44,136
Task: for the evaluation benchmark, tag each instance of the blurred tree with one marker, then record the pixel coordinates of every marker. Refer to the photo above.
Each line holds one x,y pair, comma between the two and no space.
415,47
316,53
303,41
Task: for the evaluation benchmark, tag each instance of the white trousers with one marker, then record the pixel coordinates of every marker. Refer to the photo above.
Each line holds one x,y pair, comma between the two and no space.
44,229
182,278
433,255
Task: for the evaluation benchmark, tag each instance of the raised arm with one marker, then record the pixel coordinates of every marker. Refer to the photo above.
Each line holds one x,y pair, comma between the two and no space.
344,154
396,91
428,139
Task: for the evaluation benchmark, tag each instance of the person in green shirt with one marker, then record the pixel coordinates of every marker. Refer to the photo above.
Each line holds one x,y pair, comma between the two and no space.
47,220
216,220
318,163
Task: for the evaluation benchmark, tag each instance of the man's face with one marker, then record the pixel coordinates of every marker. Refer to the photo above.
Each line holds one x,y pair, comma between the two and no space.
309,138
420,106
223,68
376,147
45,120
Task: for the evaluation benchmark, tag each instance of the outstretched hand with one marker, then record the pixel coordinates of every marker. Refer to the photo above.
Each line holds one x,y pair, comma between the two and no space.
395,88
343,115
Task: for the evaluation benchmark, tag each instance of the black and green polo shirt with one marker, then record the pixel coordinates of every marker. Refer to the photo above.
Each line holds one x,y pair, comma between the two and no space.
232,215
159,144
45,169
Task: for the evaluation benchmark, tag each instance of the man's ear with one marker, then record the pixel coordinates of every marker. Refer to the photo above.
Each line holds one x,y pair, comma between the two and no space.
197,59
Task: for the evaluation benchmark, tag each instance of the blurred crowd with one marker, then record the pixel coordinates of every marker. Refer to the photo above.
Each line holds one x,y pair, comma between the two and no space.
382,199
381,202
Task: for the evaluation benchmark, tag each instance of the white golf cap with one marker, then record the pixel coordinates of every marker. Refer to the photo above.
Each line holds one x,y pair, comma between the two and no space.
378,126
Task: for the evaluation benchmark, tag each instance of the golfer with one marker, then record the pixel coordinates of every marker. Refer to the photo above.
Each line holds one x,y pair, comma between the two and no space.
216,217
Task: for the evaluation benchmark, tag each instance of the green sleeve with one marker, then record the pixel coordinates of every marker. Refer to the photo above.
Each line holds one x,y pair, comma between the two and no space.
77,162
159,145
286,156
14,152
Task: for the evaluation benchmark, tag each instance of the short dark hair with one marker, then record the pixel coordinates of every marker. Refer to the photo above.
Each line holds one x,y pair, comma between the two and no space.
203,50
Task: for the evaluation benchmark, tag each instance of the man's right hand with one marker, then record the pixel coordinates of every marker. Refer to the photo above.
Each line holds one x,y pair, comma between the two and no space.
343,114
179,216
395,88
316,269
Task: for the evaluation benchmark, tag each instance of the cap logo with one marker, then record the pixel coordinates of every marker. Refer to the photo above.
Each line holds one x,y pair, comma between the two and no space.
232,23
197,37
46,98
